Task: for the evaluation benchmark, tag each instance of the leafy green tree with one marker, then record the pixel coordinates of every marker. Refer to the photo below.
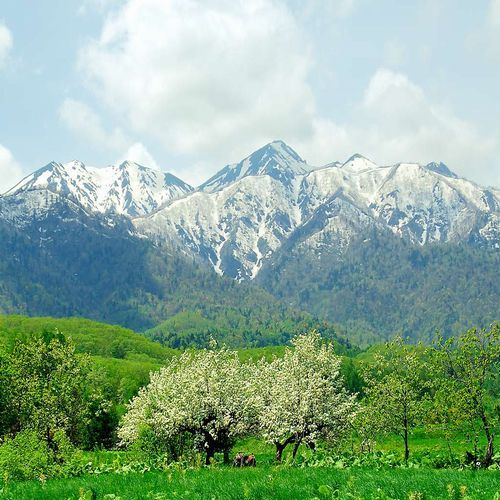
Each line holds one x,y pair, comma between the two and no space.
302,396
49,387
397,392
7,418
467,384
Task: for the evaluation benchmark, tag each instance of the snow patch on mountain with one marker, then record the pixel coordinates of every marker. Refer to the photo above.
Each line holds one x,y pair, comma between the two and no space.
275,159
270,201
244,214
127,189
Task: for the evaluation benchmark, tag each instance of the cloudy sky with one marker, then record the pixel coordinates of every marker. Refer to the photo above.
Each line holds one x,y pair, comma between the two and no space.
188,86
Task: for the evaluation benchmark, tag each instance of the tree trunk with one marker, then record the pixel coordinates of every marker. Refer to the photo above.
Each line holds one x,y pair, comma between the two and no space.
488,458
405,437
281,446
295,448
226,456
279,451
210,455
210,449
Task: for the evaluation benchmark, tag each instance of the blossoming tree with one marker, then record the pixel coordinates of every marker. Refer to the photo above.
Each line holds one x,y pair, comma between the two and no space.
302,397
205,393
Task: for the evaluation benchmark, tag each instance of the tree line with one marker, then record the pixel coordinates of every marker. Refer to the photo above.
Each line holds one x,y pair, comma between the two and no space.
205,400
301,398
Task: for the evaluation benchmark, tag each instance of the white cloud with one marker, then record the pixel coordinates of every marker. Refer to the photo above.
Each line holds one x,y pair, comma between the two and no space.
211,81
494,14
208,78
10,170
406,125
6,43
484,41
395,121
87,125
95,5
138,153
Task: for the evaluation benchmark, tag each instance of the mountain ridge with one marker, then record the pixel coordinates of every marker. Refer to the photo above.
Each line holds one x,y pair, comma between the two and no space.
125,189
237,219
337,241
276,159
238,223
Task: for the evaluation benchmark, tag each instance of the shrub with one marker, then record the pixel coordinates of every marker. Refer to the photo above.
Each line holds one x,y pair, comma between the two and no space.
152,448
25,456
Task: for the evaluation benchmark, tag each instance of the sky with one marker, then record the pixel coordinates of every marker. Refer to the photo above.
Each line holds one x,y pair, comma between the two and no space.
187,86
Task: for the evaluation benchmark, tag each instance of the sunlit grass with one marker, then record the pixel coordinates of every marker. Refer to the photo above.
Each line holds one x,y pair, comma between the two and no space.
267,482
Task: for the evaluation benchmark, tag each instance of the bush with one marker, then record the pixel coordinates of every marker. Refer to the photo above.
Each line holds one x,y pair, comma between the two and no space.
27,456
338,459
149,446
24,457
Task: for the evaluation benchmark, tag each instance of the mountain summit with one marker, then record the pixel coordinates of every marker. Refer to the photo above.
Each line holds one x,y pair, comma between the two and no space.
392,248
127,189
272,202
275,159
269,203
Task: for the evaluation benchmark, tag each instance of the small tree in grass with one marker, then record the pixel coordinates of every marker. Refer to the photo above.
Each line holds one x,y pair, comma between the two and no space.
397,390
466,379
207,394
46,387
302,397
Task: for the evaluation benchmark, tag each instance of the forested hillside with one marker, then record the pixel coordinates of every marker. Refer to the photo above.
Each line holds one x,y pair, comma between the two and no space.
71,264
96,339
193,329
121,360
89,269
382,286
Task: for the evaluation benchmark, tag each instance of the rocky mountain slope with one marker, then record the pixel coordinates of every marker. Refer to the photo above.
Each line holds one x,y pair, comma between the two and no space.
405,248
127,189
238,219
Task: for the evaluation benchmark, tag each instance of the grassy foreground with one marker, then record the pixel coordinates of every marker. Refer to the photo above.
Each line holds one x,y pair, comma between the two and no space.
268,482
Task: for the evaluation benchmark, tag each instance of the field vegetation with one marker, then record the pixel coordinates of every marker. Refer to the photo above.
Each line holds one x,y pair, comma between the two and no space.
97,411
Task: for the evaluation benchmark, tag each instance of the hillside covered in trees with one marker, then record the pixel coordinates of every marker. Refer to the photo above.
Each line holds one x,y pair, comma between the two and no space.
104,273
382,286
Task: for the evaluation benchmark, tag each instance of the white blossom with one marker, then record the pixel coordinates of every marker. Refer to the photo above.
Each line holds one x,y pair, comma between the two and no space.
207,393
302,395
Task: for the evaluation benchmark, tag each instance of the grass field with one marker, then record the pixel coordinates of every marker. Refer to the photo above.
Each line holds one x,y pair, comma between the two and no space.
269,482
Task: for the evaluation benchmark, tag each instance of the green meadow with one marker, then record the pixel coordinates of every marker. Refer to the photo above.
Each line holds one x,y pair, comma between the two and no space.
91,463
266,482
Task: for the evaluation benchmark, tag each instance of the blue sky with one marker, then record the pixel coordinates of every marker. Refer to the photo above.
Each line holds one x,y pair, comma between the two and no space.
188,86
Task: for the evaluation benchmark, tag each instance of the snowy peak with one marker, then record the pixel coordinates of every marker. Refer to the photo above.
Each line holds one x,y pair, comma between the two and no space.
441,168
358,163
271,203
134,190
71,179
276,159
127,189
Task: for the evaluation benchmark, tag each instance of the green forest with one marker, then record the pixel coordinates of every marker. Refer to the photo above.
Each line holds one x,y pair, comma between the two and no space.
382,286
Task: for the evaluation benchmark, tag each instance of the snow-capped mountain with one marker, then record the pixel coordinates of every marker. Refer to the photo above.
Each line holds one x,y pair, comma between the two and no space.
238,219
127,189
276,160
272,201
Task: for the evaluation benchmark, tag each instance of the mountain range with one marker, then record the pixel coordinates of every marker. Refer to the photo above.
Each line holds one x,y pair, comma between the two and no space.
272,219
